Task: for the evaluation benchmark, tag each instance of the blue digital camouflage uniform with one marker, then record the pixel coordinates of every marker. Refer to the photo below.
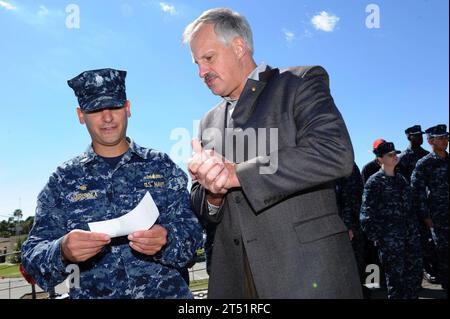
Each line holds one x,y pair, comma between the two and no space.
388,219
98,89
430,195
86,189
349,191
408,159
348,194
369,169
406,163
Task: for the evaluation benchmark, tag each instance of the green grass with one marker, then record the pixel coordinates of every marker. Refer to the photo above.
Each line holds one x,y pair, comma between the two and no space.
199,284
10,270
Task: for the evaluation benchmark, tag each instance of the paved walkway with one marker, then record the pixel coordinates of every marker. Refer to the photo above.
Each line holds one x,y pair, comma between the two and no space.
429,291
16,288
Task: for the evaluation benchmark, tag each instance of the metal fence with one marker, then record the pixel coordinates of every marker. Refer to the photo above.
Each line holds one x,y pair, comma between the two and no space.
10,285
19,288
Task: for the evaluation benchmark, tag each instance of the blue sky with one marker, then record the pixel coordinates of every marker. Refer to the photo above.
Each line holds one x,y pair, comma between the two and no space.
383,79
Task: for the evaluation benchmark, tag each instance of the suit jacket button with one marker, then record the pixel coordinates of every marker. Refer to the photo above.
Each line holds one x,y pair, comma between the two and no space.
236,241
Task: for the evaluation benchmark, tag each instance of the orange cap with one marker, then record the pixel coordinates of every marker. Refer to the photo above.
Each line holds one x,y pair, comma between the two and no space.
377,143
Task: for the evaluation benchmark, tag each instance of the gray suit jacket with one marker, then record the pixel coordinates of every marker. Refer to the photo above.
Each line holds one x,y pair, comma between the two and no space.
286,221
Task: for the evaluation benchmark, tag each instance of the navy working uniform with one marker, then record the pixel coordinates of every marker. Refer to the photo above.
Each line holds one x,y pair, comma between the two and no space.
369,169
407,163
349,191
91,188
387,218
430,188
370,251
348,194
408,159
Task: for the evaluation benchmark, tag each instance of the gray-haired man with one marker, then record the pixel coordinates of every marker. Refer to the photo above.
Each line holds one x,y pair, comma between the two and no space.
278,234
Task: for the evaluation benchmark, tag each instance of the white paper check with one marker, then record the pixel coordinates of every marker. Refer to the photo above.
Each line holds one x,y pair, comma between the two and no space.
142,217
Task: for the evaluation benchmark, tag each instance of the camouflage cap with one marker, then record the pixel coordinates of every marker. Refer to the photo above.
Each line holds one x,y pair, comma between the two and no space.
99,89
385,148
436,131
416,129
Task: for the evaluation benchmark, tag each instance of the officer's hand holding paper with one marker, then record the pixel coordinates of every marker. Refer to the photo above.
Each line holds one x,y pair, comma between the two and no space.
142,217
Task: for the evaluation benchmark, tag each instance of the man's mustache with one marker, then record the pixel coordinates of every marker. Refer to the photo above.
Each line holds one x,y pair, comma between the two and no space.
209,76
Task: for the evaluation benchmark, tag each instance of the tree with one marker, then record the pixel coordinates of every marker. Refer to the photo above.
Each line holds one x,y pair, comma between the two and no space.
5,230
16,258
7,227
15,225
27,224
18,216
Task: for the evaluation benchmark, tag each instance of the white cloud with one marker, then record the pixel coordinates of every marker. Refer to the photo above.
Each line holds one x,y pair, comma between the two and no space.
167,8
325,21
40,17
289,35
7,6
44,15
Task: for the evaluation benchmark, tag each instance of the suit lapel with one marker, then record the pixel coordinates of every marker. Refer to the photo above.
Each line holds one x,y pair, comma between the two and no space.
249,96
214,135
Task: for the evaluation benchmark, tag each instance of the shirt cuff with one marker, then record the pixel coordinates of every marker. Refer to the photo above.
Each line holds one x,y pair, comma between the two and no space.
59,264
212,209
